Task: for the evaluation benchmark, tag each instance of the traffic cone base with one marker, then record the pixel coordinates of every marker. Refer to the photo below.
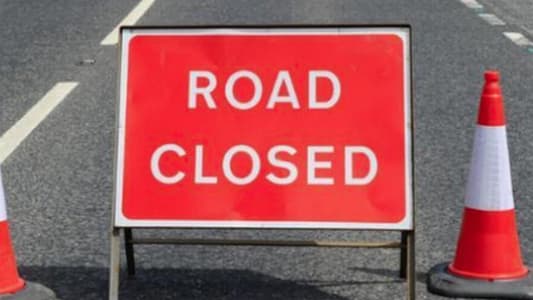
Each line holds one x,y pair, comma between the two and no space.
442,282
31,291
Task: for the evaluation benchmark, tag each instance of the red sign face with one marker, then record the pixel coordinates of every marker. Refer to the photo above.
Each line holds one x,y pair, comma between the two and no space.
288,128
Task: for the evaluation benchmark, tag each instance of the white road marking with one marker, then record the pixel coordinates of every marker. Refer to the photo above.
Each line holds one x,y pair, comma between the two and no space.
130,19
492,19
518,39
472,4
18,132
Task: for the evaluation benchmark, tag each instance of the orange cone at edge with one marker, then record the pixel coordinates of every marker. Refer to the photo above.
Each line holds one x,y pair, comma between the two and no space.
10,282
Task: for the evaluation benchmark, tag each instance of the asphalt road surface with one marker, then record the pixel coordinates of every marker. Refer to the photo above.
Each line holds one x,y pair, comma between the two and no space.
58,179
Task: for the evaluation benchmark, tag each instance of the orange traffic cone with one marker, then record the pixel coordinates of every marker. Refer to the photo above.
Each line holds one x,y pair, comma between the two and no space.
488,262
488,246
10,282
12,287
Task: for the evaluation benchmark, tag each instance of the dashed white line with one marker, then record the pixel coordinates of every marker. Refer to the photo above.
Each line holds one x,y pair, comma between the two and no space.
130,19
518,39
472,4
492,19
18,132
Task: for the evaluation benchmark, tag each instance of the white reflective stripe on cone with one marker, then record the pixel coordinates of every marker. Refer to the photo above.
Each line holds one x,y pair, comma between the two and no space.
3,214
489,184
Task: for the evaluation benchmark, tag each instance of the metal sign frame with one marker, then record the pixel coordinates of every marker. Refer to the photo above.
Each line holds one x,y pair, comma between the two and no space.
407,228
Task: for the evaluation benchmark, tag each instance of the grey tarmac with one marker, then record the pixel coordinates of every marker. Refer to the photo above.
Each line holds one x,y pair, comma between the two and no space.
59,181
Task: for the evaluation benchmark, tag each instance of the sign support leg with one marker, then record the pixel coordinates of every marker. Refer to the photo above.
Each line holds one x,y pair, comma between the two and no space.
411,280
114,264
403,256
130,254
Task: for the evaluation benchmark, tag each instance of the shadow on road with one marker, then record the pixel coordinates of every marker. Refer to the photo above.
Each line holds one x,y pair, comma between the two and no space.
420,276
74,283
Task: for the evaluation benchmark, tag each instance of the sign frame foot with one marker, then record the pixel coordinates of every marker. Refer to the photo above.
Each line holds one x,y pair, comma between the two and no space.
114,264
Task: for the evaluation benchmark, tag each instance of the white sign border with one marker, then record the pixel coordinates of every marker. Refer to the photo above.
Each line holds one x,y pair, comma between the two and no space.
127,34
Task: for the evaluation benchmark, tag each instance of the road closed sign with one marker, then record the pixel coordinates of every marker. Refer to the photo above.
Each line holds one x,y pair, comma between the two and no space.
292,127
